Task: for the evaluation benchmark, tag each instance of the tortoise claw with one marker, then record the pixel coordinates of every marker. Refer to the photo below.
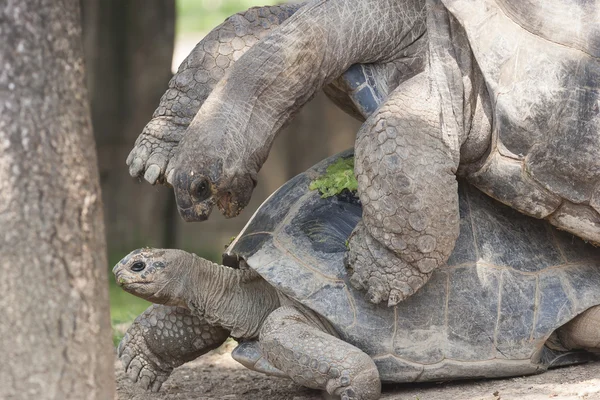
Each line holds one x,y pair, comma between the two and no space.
375,292
152,174
140,363
395,297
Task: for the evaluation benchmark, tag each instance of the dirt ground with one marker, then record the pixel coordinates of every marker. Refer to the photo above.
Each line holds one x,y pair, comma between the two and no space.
218,376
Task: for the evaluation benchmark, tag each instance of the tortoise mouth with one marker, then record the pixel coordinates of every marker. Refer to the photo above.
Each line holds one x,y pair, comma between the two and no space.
123,282
229,206
139,289
194,214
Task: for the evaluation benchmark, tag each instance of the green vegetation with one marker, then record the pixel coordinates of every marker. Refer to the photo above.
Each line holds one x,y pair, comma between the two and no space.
339,176
124,307
204,15
231,239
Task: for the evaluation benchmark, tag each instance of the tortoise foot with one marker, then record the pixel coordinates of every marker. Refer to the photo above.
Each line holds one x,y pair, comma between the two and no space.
141,365
153,150
364,385
380,272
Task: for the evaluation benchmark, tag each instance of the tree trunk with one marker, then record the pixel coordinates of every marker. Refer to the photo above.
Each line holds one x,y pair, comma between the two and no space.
54,326
128,49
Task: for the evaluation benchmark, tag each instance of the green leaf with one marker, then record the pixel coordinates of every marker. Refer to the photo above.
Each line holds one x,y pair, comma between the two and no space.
338,176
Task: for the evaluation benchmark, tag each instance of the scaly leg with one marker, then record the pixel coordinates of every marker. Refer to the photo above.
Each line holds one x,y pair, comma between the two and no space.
407,185
194,81
163,338
311,357
582,332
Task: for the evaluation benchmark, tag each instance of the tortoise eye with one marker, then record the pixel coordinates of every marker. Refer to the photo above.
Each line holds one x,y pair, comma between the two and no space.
138,266
200,189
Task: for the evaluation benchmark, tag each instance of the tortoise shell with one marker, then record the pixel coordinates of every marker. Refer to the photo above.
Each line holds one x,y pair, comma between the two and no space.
510,282
539,62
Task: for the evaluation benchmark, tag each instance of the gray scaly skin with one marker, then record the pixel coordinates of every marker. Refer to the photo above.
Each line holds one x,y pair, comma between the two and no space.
407,230
505,101
395,264
582,331
163,338
205,66
188,89
214,302
219,162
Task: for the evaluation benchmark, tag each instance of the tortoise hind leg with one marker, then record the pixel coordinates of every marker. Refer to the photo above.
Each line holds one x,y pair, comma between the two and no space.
313,358
582,332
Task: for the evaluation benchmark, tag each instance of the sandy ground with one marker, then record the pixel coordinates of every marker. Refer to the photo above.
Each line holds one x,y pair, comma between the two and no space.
218,376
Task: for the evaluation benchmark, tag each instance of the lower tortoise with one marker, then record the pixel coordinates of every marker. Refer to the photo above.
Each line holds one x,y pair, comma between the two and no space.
516,297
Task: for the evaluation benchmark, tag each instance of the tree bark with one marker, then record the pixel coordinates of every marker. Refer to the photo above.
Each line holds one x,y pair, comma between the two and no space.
54,325
128,49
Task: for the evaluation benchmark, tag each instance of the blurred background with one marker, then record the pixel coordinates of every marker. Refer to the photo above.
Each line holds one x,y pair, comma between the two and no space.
132,49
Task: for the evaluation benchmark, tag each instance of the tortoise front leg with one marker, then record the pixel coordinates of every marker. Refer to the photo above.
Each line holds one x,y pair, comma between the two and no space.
311,357
405,169
163,338
194,81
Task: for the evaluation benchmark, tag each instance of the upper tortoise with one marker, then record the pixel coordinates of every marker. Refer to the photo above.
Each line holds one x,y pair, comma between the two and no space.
517,296
502,92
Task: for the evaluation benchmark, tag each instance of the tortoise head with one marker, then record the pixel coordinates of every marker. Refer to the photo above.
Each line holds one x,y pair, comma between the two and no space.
153,274
199,184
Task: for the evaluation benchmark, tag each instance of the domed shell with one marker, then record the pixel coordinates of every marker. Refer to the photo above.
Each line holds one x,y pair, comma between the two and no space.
534,67
510,282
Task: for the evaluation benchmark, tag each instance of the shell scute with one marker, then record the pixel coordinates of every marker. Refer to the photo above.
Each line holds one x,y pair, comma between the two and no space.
517,315
512,283
555,307
472,313
504,236
421,331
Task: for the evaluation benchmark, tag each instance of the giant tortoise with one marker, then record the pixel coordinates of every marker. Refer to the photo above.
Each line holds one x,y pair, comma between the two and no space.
509,99
516,297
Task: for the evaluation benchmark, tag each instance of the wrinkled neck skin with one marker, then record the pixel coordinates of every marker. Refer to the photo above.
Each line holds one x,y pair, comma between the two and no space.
238,300
275,78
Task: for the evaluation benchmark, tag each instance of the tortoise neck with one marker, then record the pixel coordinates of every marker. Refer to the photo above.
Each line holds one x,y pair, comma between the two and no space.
238,300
